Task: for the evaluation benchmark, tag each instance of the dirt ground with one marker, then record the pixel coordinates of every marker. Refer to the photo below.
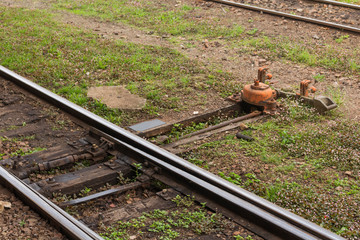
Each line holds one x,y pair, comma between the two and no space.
286,74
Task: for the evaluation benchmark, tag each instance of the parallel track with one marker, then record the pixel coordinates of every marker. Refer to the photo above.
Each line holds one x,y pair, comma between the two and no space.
273,221
336,3
297,17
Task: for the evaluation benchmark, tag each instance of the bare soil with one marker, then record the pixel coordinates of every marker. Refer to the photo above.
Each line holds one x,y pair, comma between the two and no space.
286,74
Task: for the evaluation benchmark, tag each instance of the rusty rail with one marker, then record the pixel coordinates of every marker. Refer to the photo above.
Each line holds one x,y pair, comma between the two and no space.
336,3
288,15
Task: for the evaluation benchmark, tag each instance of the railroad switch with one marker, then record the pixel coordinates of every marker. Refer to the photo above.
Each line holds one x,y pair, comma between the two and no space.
320,103
259,93
304,88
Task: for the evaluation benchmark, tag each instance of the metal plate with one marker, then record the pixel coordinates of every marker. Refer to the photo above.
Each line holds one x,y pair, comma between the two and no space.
146,125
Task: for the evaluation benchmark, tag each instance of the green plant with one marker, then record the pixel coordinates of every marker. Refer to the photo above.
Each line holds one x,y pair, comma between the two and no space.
319,77
22,152
252,31
22,223
84,192
233,178
138,167
272,192
341,38
336,94
186,201
239,237
167,224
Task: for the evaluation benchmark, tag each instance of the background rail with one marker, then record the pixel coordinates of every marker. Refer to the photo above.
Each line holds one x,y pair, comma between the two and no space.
288,15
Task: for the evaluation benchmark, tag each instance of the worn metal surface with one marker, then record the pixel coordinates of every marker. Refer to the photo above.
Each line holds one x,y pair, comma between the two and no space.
140,127
263,75
288,15
323,104
245,137
305,88
224,126
40,162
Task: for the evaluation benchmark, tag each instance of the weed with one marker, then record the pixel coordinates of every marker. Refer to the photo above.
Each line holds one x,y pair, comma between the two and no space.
272,192
335,94
198,162
186,8
350,1
122,179
22,223
167,224
59,197
233,178
319,78
138,167
238,237
252,31
186,201
286,168
341,38
84,192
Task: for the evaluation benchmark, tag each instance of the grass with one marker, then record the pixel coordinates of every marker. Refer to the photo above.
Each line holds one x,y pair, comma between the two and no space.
180,21
281,47
350,1
69,61
303,162
187,219
341,38
151,16
319,78
13,147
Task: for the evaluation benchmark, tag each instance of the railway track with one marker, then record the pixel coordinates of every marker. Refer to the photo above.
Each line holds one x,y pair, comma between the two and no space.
326,13
89,153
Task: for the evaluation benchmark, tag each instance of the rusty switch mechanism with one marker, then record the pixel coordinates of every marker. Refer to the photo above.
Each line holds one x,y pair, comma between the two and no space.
320,103
304,88
259,93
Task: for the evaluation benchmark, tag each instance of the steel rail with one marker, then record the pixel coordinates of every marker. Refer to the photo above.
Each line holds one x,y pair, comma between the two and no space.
288,15
65,223
277,218
342,4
